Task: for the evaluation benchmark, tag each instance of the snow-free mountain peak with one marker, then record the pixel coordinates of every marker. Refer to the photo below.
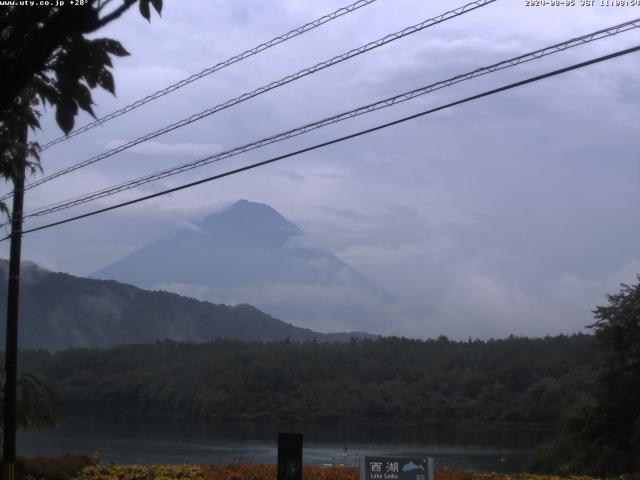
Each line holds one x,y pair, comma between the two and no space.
250,222
243,254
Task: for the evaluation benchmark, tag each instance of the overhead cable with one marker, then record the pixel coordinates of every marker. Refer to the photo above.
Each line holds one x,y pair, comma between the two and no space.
340,139
387,102
208,71
266,88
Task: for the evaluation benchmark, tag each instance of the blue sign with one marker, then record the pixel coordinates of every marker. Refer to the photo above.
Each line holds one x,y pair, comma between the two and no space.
396,468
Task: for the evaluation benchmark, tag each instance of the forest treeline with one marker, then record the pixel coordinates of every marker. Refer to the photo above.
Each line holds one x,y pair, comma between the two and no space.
517,381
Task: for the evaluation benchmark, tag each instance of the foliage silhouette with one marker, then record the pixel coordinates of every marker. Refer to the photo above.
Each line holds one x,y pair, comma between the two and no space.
603,439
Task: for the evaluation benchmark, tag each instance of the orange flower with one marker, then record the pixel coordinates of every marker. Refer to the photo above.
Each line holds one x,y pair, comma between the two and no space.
270,472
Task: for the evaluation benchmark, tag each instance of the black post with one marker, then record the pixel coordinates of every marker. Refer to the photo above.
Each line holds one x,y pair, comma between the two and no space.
289,456
13,296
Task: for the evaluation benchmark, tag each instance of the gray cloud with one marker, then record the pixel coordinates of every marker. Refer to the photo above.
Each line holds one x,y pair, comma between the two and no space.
515,214
318,307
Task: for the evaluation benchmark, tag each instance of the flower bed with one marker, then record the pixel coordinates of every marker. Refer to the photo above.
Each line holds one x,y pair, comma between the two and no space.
269,472
135,472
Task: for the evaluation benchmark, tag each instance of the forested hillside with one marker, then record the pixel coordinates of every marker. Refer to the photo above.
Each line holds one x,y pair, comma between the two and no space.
60,311
512,381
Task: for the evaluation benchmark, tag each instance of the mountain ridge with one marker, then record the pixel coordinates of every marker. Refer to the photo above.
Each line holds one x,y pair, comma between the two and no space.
60,311
250,253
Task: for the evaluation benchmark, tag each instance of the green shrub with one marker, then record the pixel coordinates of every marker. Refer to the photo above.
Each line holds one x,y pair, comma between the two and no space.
62,467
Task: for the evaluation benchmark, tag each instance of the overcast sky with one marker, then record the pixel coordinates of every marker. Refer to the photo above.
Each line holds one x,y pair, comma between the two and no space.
516,214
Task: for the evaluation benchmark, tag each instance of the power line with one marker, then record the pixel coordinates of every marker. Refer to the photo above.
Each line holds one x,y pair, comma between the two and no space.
342,139
208,71
387,102
278,83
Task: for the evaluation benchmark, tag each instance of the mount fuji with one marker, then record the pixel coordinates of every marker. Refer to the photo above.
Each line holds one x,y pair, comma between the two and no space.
249,253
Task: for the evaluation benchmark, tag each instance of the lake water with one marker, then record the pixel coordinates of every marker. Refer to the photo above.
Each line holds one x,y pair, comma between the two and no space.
128,440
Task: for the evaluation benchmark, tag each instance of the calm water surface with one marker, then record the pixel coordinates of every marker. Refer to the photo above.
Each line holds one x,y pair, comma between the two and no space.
132,440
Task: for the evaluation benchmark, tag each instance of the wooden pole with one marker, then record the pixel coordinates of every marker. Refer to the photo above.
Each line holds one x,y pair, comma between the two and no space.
13,301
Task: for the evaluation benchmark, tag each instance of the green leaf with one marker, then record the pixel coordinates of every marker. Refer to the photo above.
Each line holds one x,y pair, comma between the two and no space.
82,96
105,80
45,91
65,119
157,4
67,107
111,46
144,9
91,77
97,56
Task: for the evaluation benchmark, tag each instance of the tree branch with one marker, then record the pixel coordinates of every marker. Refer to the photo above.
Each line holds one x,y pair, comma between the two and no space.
102,4
116,13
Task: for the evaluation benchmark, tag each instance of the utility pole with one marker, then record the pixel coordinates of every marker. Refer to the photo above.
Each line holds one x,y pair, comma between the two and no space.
13,300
